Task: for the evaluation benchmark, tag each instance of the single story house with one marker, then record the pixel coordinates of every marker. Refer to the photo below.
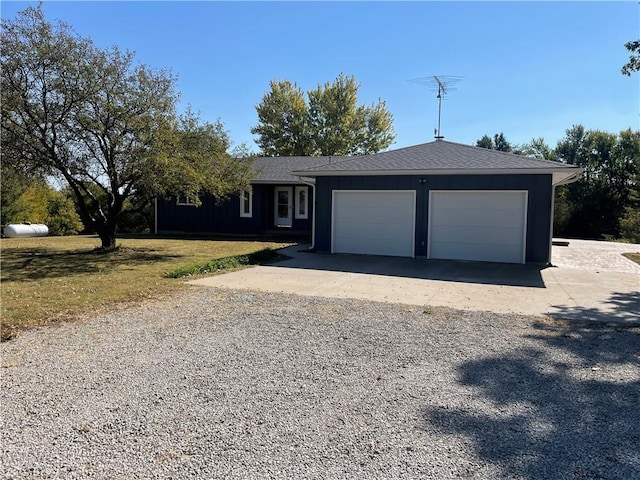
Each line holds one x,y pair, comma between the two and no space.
436,200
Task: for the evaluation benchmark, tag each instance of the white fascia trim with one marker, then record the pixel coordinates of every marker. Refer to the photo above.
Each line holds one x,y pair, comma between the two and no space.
558,175
277,182
561,178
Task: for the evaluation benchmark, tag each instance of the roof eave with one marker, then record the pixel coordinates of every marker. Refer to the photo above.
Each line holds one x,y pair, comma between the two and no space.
292,181
565,178
560,176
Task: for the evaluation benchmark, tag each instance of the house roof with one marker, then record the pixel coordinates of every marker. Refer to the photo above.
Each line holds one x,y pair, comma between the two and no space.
279,169
441,158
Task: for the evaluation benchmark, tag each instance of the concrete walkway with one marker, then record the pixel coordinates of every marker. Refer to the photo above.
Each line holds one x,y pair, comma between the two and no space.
590,280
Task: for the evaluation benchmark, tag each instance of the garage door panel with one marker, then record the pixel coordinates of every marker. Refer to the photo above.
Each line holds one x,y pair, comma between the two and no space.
363,215
478,217
369,231
481,234
478,225
480,200
474,251
348,238
374,222
375,246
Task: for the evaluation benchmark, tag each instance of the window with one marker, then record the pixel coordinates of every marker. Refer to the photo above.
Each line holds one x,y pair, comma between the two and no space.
246,201
302,202
186,201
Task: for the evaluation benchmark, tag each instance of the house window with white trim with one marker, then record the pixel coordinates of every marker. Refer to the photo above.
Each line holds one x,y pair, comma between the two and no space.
302,202
246,202
185,201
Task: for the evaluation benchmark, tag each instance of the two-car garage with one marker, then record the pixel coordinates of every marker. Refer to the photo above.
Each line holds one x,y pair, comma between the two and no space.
440,200
482,225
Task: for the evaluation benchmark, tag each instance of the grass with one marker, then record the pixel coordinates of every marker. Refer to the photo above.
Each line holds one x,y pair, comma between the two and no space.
49,279
227,263
633,256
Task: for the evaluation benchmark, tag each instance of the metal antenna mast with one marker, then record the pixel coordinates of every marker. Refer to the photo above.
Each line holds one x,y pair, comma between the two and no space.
443,85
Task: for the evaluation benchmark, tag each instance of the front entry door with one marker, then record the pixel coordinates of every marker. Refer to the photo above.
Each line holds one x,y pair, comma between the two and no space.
284,208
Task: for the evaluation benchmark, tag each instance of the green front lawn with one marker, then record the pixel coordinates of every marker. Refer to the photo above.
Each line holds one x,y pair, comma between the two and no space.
48,279
633,256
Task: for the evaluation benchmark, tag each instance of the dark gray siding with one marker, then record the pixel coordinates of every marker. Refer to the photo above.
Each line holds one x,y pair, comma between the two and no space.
224,217
539,190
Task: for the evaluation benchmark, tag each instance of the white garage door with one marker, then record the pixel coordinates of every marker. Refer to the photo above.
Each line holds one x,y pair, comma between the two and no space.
488,226
374,222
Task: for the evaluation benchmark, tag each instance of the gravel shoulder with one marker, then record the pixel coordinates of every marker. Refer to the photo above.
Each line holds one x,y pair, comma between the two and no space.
218,383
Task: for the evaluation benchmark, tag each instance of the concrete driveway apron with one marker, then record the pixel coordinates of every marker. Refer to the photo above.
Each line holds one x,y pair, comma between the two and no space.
589,280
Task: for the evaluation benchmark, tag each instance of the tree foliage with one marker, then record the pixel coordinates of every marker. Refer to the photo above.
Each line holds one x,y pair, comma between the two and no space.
14,184
498,142
536,148
283,114
98,122
605,201
330,122
633,65
40,203
609,184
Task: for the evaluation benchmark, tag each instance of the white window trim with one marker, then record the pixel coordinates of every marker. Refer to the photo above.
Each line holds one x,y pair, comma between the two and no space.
248,214
304,215
187,201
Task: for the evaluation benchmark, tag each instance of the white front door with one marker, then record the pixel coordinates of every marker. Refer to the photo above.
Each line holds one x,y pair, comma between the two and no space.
283,206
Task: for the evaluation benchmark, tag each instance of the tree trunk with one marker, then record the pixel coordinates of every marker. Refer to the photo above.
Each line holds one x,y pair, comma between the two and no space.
107,236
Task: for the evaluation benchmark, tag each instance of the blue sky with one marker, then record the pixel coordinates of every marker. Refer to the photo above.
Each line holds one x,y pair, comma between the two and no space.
530,69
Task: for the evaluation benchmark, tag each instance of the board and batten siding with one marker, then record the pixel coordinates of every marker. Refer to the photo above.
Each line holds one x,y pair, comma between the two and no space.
224,217
539,203
210,217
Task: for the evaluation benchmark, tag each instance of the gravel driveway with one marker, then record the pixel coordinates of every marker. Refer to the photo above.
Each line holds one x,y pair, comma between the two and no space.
231,384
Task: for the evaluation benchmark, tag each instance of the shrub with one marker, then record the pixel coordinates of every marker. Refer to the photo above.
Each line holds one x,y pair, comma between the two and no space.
630,225
62,218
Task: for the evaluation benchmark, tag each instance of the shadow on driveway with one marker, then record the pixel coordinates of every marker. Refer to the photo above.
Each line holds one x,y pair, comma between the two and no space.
560,409
621,307
444,270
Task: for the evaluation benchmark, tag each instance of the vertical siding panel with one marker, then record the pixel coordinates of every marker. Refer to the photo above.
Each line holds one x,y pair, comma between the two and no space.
324,186
224,217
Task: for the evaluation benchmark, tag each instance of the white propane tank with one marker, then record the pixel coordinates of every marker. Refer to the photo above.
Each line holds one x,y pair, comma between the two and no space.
26,230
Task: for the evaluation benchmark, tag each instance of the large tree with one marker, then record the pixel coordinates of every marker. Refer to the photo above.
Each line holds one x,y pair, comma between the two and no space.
283,114
609,183
330,122
100,123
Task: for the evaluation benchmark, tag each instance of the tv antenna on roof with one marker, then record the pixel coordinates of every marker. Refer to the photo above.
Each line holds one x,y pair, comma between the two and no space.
443,84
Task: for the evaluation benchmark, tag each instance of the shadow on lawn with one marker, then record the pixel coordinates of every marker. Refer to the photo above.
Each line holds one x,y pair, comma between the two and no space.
33,264
562,408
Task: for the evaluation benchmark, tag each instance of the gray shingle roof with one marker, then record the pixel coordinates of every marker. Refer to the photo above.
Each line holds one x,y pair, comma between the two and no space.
438,155
278,169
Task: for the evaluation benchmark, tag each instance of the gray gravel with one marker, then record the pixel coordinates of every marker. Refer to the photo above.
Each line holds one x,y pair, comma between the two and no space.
232,384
